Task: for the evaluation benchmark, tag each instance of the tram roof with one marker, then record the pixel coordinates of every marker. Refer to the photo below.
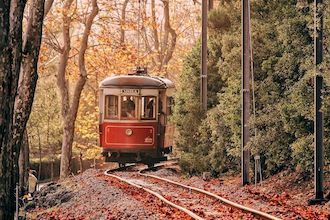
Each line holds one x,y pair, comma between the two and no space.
137,81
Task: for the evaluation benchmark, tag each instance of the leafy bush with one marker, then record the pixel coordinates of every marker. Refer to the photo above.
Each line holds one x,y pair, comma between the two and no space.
282,131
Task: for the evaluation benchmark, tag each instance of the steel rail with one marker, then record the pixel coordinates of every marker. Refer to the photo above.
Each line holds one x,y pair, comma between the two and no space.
188,212
121,168
226,201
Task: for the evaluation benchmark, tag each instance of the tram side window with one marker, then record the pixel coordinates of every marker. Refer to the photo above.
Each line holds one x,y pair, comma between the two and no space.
148,107
170,105
129,107
111,107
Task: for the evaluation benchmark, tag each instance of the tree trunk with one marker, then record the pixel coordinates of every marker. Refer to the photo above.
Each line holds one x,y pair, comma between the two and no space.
69,110
168,48
23,164
81,162
40,156
11,15
66,154
52,169
15,106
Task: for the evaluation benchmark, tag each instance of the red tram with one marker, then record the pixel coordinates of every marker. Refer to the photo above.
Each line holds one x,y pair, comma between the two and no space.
134,112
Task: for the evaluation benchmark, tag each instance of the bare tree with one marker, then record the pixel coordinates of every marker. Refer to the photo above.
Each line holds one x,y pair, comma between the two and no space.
123,22
161,43
69,109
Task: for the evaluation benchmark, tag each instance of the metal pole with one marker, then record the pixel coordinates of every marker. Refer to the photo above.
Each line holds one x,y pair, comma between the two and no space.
318,139
203,90
246,71
211,4
318,116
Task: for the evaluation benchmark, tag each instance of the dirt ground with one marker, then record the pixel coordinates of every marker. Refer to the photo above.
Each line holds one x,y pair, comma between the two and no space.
92,196
284,195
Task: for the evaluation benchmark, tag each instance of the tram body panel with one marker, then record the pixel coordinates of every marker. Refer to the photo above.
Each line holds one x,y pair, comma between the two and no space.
129,136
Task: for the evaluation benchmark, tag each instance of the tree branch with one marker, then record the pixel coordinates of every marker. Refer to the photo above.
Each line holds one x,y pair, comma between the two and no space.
154,24
123,22
62,82
48,6
168,29
82,67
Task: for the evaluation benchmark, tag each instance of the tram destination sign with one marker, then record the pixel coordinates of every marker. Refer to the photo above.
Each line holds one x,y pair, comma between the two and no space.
130,91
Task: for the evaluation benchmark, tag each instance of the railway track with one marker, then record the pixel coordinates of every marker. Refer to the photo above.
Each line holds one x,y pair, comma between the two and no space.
195,202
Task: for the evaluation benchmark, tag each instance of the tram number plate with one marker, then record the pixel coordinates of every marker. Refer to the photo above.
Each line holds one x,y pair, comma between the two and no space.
130,91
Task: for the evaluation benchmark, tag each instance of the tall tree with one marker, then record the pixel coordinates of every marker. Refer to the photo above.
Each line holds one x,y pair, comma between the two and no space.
18,63
8,84
69,109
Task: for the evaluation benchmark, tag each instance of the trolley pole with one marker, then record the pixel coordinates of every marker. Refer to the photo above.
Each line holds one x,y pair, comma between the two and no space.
318,115
246,72
203,88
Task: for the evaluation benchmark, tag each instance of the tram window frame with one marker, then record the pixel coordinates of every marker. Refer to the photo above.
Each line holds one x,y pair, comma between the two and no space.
170,105
107,107
124,111
145,101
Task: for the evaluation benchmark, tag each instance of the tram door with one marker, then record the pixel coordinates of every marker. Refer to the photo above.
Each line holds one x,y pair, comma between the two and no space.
169,128
166,129
161,119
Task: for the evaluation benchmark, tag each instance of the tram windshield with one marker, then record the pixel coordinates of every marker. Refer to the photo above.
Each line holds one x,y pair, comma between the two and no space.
129,107
111,107
148,107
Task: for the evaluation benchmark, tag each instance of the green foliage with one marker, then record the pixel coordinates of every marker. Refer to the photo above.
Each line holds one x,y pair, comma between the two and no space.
86,127
44,126
192,163
188,114
187,108
218,20
283,77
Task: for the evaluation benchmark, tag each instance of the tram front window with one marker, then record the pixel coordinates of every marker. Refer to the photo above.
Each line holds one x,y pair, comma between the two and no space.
128,107
111,107
148,107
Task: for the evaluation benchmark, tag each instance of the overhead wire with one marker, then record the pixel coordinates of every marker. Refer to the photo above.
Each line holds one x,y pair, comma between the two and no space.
252,74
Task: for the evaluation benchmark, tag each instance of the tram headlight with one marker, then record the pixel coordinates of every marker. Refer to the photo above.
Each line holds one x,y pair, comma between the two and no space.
128,132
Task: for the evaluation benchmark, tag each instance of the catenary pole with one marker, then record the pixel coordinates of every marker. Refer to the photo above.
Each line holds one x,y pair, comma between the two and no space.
318,115
246,72
211,3
203,89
